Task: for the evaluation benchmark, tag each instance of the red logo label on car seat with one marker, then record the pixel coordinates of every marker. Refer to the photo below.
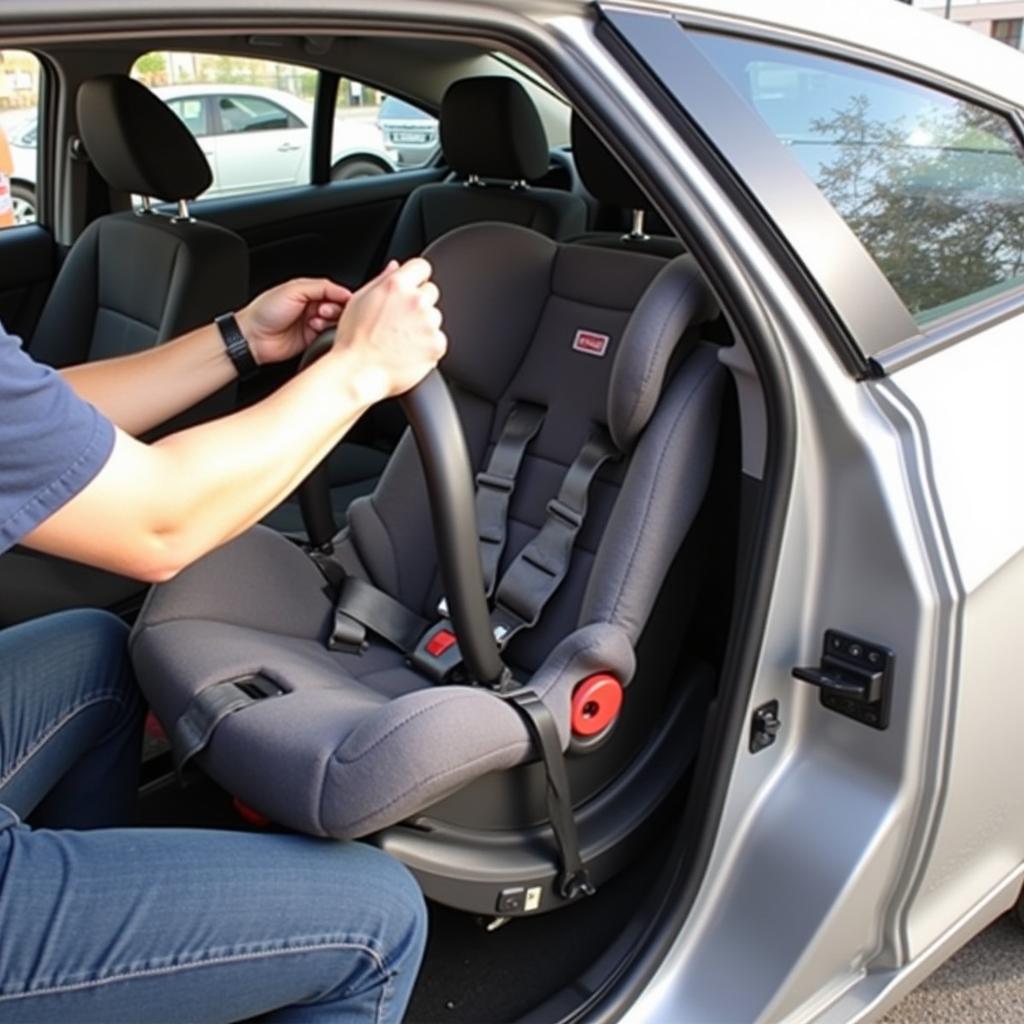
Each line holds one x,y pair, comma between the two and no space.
590,342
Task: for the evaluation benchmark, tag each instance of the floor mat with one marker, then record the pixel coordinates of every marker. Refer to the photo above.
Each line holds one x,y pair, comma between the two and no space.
469,975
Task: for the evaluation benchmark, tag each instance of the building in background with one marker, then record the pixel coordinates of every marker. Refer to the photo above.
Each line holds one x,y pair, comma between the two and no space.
1001,20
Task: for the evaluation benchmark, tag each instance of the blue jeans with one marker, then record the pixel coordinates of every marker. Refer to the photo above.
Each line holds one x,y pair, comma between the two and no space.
112,924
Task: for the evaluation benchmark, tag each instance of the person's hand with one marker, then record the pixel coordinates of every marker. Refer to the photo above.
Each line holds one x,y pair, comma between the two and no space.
282,322
391,329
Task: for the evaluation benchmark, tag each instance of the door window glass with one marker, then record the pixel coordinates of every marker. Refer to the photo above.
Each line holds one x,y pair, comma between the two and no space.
19,137
247,113
932,185
192,110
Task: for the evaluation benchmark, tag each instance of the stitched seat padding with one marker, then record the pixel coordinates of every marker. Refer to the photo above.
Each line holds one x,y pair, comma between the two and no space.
361,741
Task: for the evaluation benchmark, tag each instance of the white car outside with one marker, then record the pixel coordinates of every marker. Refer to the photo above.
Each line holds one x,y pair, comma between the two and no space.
259,138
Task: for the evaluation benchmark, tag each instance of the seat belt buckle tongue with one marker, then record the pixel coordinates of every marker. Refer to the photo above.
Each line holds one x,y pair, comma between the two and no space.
348,635
437,654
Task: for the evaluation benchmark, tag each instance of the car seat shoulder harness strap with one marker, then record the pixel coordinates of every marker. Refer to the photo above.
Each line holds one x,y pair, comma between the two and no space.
537,571
360,606
573,880
495,484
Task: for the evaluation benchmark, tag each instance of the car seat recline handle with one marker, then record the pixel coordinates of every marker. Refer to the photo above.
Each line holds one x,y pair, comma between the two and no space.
442,447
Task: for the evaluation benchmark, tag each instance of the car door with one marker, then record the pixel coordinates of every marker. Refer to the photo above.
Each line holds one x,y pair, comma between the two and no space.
258,143
882,832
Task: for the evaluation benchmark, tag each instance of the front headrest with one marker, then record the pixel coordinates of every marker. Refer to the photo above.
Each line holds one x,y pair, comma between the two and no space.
602,174
490,127
137,143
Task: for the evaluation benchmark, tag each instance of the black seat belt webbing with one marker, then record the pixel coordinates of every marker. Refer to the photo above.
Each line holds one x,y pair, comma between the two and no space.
495,484
538,570
209,707
573,879
361,606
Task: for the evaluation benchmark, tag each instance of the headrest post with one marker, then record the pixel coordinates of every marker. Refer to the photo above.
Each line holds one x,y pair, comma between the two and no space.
636,231
520,184
147,204
472,180
183,213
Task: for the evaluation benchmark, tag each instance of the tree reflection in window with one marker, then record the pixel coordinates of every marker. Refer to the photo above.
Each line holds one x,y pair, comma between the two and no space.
938,203
932,185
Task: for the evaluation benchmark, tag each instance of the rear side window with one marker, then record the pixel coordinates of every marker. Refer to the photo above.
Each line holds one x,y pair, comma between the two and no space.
932,185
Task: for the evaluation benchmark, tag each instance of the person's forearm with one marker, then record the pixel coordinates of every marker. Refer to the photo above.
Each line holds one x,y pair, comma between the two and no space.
155,508
141,391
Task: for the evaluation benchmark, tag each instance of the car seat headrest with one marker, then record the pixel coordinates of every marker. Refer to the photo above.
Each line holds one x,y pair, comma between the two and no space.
503,287
602,174
490,127
137,143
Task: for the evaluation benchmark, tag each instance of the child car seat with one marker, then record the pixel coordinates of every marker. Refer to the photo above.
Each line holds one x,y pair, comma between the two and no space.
329,692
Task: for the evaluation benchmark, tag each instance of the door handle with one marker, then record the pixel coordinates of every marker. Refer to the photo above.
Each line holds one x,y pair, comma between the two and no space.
287,147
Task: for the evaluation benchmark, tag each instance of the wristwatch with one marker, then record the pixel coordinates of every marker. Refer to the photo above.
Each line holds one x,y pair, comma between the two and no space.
236,346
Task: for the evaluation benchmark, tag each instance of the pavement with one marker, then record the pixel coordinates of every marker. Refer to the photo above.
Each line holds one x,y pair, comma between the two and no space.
981,984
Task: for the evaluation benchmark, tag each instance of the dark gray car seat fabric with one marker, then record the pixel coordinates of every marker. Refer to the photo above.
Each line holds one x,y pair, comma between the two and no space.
358,742
490,130
137,143
133,280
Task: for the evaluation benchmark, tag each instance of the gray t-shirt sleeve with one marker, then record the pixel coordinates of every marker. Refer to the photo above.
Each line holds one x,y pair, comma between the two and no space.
52,443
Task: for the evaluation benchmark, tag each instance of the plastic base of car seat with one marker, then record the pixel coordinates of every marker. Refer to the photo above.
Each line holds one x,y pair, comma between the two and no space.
511,871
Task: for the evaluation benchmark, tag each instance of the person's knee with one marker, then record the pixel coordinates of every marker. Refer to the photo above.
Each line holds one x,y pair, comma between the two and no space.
395,908
98,642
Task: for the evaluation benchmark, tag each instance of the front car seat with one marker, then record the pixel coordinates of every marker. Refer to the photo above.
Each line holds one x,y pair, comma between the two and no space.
590,408
493,140
135,279
130,281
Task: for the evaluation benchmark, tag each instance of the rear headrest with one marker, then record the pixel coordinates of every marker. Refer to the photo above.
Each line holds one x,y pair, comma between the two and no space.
137,143
602,174
490,127
518,289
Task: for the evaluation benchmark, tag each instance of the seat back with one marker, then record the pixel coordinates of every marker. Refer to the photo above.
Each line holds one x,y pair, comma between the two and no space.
493,139
595,337
133,280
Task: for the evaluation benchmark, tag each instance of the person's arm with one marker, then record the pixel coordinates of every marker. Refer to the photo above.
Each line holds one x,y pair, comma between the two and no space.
153,509
143,390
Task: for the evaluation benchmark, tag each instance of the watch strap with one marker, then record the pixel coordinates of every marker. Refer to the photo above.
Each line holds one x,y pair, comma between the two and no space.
236,345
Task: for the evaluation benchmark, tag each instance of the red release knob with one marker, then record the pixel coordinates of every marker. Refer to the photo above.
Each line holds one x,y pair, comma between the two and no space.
595,704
